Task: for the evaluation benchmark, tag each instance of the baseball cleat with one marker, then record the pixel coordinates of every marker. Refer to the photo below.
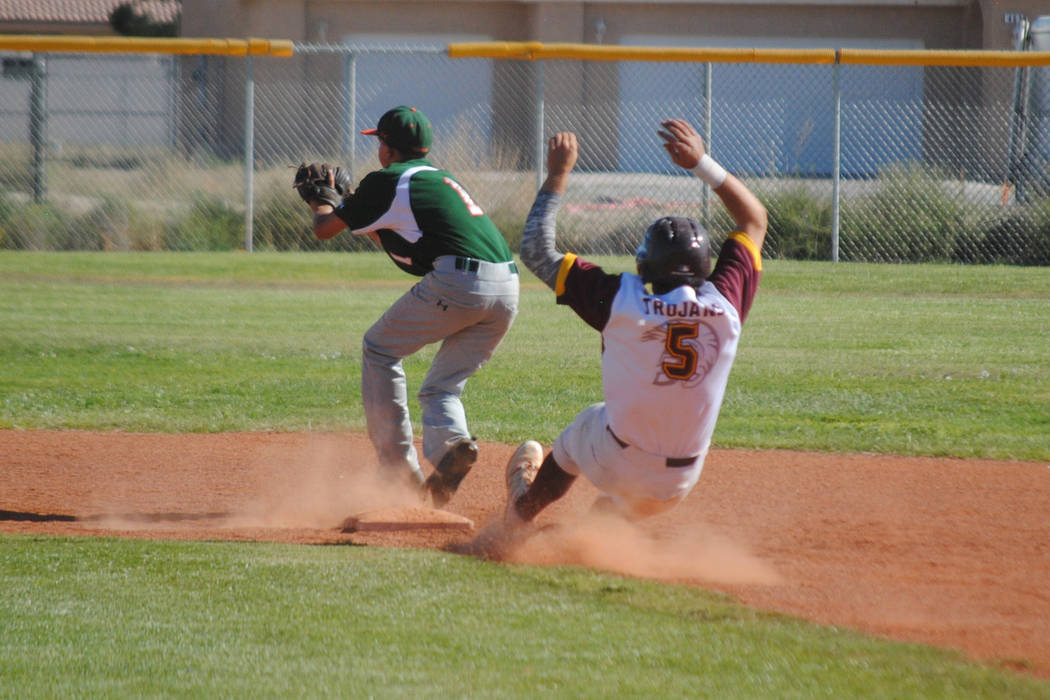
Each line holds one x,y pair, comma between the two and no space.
451,470
521,472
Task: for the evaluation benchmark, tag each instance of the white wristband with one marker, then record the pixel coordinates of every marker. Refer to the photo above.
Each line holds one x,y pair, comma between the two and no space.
710,171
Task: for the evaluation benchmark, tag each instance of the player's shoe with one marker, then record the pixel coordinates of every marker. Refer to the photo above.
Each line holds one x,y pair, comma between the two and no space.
451,470
521,472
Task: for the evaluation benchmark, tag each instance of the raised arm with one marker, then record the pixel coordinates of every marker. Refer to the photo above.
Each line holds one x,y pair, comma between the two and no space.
686,148
538,251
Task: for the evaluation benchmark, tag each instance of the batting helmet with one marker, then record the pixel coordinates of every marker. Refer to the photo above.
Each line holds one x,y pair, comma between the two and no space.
675,251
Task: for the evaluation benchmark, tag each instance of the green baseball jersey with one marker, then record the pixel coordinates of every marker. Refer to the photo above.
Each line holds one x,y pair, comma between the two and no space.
421,213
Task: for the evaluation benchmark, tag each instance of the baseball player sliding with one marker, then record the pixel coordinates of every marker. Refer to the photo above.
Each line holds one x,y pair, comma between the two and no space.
669,337
467,298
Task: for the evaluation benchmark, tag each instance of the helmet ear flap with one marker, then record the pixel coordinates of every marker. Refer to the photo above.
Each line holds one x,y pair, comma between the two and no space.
675,251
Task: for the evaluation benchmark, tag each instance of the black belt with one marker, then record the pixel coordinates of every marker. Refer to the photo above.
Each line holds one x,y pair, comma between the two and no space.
471,265
670,461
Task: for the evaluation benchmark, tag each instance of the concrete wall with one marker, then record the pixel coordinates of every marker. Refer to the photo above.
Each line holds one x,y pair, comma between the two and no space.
938,23
589,88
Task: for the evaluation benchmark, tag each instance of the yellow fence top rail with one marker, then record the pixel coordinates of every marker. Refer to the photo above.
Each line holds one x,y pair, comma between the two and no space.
124,44
995,59
536,51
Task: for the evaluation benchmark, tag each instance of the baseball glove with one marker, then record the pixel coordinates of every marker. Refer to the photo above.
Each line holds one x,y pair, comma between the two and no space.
313,184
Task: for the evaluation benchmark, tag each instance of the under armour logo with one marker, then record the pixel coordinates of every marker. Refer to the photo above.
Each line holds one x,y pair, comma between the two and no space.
443,305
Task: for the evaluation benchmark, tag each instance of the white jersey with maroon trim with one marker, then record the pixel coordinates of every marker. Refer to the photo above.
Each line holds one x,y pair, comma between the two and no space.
665,365
665,358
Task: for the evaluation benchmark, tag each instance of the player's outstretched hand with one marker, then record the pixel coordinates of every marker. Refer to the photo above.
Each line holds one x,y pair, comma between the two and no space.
562,152
683,144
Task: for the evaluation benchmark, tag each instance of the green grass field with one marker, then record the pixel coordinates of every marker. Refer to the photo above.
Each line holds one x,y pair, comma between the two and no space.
941,360
134,618
938,360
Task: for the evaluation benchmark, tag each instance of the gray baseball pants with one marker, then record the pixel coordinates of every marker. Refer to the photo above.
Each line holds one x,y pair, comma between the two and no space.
470,310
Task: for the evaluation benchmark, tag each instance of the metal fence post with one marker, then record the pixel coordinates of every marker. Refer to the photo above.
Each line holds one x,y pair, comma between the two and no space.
249,151
350,110
38,126
836,164
540,150
707,139
174,76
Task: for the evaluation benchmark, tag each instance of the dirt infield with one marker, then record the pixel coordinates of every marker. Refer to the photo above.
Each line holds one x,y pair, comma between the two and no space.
953,553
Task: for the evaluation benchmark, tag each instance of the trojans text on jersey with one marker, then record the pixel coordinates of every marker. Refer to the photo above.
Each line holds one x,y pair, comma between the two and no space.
684,309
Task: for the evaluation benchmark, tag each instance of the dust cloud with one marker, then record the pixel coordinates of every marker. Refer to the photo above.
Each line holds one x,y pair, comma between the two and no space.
313,484
611,544
325,488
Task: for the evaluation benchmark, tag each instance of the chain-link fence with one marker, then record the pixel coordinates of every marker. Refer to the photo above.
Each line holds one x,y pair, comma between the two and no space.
854,162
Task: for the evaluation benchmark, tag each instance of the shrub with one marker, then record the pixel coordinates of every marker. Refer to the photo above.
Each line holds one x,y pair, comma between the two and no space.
16,174
1018,235
118,225
45,227
799,226
209,223
511,224
910,218
6,211
1035,250
284,223
613,231
618,229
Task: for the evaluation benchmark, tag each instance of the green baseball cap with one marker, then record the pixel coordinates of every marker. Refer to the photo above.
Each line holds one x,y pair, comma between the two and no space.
406,129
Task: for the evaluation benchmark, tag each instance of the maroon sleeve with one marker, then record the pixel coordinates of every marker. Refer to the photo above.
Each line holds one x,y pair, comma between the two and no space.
737,273
588,290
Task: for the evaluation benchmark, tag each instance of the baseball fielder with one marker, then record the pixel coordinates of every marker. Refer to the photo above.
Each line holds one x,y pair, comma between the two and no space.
669,337
467,298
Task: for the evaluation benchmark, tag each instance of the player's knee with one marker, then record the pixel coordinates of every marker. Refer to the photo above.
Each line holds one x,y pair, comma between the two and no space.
429,393
374,354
